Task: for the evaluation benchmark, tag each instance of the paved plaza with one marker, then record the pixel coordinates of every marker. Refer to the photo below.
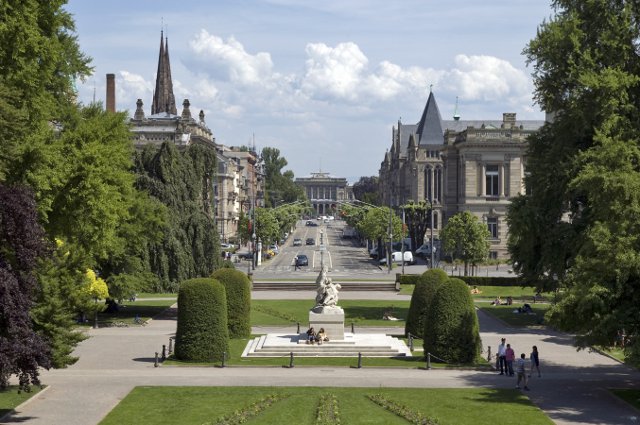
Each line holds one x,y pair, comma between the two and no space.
573,388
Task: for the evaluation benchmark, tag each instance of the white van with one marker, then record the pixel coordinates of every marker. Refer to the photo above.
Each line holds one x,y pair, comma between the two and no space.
396,257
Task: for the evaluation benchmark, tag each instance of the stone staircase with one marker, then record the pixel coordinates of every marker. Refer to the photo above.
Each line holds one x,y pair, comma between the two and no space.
263,285
369,345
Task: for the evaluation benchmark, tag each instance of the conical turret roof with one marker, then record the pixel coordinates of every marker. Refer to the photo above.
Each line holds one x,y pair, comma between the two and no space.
163,98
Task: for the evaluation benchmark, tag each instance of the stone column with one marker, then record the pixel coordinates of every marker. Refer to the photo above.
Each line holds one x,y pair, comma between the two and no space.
483,180
501,179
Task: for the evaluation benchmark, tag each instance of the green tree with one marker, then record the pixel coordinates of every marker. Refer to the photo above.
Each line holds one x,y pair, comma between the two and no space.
367,189
577,227
375,224
280,186
181,181
238,291
451,329
202,333
466,238
418,220
422,300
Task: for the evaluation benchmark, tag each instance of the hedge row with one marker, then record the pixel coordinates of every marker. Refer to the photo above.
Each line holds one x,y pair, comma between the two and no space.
202,334
412,279
238,289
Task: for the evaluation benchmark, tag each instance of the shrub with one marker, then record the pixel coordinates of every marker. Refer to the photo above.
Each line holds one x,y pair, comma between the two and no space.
202,333
407,279
423,292
238,289
451,329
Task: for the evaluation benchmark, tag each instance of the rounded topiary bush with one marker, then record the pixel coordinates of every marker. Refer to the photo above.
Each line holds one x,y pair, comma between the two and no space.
423,292
238,289
202,333
451,329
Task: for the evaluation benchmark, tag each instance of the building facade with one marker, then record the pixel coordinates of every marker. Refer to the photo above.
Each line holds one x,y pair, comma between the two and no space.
459,165
236,183
325,191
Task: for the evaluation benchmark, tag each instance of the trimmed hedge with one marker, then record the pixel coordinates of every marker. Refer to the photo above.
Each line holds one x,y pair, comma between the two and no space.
426,286
407,279
202,333
238,289
451,330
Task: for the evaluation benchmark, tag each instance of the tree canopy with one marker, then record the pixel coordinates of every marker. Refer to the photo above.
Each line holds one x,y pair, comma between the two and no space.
465,238
367,189
22,244
280,186
578,227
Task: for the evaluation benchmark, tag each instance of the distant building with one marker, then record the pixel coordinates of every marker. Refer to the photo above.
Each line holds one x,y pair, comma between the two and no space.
237,182
458,165
325,191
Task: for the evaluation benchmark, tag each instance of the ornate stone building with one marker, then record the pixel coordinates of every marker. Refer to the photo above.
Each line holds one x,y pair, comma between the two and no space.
324,190
236,181
459,165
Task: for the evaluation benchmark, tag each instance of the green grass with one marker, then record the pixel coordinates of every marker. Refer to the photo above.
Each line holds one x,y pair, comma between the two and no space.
630,396
200,405
616,352
360,312
489,293
506,314
10,398
157,295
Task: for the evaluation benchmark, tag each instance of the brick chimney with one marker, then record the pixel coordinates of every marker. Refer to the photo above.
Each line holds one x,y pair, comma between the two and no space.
111,92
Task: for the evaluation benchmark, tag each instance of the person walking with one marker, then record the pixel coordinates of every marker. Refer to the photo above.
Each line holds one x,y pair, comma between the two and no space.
296,266
501,355
535,361
520,371
509,357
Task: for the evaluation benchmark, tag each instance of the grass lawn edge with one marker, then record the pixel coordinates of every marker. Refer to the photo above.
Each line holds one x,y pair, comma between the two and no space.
35,395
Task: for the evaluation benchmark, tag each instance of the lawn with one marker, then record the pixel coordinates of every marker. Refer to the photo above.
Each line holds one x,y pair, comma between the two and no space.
506,314
360,312
10,398
299,405
489,293
630,396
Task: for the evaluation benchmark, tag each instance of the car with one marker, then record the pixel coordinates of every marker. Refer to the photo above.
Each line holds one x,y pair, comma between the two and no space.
396,257
311,241
302,260
312,224
297,242
245,255
227,246
308,223
274,248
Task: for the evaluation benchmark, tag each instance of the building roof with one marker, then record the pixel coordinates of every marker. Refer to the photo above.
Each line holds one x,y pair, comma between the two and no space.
163,98
430,125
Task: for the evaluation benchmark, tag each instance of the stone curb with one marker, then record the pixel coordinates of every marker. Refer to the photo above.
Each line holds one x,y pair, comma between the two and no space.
23,404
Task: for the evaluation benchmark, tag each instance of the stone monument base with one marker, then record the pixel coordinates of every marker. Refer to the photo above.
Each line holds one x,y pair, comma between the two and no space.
329,318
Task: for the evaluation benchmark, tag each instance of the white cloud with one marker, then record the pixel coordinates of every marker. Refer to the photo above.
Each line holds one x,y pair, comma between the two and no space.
130,87
487,78
334,72
242,67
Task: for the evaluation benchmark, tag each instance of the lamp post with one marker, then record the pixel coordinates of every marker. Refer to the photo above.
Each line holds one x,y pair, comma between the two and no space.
253,250
432,247
402,241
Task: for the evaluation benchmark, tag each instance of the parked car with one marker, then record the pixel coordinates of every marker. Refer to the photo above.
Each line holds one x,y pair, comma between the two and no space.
311,241
274,248
302,260
297,242
227,246
396,257
245,255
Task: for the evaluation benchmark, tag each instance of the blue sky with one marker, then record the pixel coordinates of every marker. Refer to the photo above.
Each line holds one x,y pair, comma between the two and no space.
322,81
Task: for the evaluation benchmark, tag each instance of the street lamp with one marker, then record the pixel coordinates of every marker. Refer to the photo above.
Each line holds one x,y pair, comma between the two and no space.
431,225
254,250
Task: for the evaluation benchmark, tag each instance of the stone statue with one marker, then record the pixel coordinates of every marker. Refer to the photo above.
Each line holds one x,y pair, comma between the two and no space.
327,291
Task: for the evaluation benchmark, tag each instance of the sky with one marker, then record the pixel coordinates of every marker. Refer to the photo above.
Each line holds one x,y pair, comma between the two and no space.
322,81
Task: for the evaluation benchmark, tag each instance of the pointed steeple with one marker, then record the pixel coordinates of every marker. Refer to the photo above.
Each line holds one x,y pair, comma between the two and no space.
430,126
163,99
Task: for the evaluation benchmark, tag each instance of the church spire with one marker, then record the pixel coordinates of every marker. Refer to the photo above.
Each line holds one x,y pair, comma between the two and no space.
163,99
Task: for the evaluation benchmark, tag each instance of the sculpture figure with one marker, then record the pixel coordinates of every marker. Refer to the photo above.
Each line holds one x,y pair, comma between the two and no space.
327,291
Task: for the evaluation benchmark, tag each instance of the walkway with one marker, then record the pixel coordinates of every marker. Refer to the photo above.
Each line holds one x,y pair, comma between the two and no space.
572,390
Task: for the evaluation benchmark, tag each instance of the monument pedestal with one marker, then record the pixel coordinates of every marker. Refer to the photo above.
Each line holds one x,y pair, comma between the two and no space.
329,318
